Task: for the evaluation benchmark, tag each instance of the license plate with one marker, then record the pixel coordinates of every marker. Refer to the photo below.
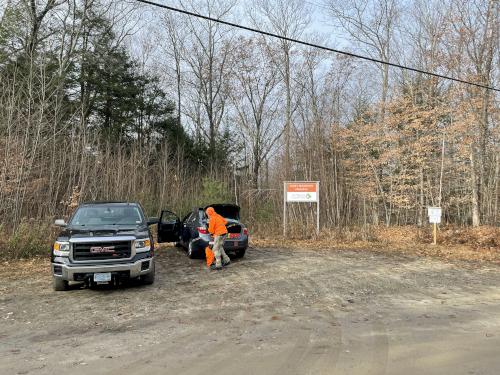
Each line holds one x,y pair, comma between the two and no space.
234,235
102,277
235,243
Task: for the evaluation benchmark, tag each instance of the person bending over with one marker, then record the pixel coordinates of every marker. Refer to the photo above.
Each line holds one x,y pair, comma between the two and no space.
217,228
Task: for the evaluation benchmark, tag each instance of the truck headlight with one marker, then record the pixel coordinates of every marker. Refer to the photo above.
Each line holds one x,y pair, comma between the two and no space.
142,245
61,249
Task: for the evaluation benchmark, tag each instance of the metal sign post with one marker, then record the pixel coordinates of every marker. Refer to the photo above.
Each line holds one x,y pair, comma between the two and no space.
284,209
300,191
317,211
434,214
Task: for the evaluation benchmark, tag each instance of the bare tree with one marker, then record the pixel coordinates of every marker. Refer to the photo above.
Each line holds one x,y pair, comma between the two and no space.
287,18
371,24
175,49
296,112
208,55
477,36
256,102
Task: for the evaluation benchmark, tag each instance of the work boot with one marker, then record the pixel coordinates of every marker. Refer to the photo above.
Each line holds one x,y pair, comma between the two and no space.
226,262
215,267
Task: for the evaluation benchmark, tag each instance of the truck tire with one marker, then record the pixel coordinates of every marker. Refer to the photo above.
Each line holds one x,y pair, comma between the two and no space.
240,253
149,278
60,284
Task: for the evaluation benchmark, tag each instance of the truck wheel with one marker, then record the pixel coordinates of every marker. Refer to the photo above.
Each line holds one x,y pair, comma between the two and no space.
60,284
149,278
190,251
240,253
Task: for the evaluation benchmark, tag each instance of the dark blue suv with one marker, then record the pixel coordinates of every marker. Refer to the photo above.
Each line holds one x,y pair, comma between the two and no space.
192,231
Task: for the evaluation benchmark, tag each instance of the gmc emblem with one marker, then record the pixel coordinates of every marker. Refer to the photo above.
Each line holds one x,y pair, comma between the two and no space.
102,249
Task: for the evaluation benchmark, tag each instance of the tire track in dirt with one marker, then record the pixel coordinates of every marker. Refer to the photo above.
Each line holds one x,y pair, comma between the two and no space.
378,349
311,347
317,353
243,273
301,355
273,312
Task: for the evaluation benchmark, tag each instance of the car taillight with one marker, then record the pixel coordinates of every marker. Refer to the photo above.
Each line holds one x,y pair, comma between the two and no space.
245,231
202,230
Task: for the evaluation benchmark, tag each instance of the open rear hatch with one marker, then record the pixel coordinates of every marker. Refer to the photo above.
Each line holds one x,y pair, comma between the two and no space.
227,211
233,231
231,213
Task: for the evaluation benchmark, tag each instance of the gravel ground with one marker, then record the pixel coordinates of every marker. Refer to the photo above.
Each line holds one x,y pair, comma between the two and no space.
277,311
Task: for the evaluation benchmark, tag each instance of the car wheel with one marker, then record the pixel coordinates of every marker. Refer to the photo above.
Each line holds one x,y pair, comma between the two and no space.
240,253
149,278
60,284
190,251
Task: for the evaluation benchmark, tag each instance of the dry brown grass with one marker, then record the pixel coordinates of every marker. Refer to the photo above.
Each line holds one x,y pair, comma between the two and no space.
25,268
31,239
467,244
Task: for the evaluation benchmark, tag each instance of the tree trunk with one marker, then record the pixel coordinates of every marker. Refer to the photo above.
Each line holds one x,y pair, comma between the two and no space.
288,113
475,194
420,217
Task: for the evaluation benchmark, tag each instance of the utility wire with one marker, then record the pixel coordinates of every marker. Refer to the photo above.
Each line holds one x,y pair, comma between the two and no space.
253,30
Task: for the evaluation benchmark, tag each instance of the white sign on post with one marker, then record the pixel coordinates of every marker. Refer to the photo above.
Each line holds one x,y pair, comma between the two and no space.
301,191
434,214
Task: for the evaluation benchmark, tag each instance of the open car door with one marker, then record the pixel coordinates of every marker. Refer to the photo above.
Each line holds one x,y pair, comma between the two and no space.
168,227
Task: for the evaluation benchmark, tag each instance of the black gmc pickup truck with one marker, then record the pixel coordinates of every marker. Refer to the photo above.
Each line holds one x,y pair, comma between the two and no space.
104,242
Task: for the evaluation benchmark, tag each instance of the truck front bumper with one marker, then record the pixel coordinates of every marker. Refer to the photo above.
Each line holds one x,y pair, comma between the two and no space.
77,272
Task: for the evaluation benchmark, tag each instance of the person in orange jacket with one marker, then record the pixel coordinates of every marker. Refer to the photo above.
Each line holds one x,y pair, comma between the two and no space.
217,228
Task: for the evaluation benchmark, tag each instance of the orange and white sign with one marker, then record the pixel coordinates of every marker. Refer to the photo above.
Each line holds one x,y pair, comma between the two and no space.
301,191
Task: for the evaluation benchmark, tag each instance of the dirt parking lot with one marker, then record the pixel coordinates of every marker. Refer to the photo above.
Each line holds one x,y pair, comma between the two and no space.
277,311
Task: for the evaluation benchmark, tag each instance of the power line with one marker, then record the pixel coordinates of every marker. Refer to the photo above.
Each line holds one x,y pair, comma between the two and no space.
253,30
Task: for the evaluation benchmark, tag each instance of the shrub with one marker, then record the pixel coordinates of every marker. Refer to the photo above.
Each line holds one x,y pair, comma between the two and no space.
29,239
214,191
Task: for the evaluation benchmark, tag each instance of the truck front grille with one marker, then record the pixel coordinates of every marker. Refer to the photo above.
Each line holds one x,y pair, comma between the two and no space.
102,250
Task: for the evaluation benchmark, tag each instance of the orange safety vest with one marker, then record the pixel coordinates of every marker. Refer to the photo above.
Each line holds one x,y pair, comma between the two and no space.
216,224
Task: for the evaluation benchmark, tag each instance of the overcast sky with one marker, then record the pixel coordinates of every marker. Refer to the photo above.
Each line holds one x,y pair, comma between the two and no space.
319,20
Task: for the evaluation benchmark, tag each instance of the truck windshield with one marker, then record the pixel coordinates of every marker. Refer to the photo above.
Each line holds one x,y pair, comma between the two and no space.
107,215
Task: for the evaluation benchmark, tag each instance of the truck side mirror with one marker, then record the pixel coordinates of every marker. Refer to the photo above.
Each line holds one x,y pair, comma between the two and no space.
60,223
153,220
